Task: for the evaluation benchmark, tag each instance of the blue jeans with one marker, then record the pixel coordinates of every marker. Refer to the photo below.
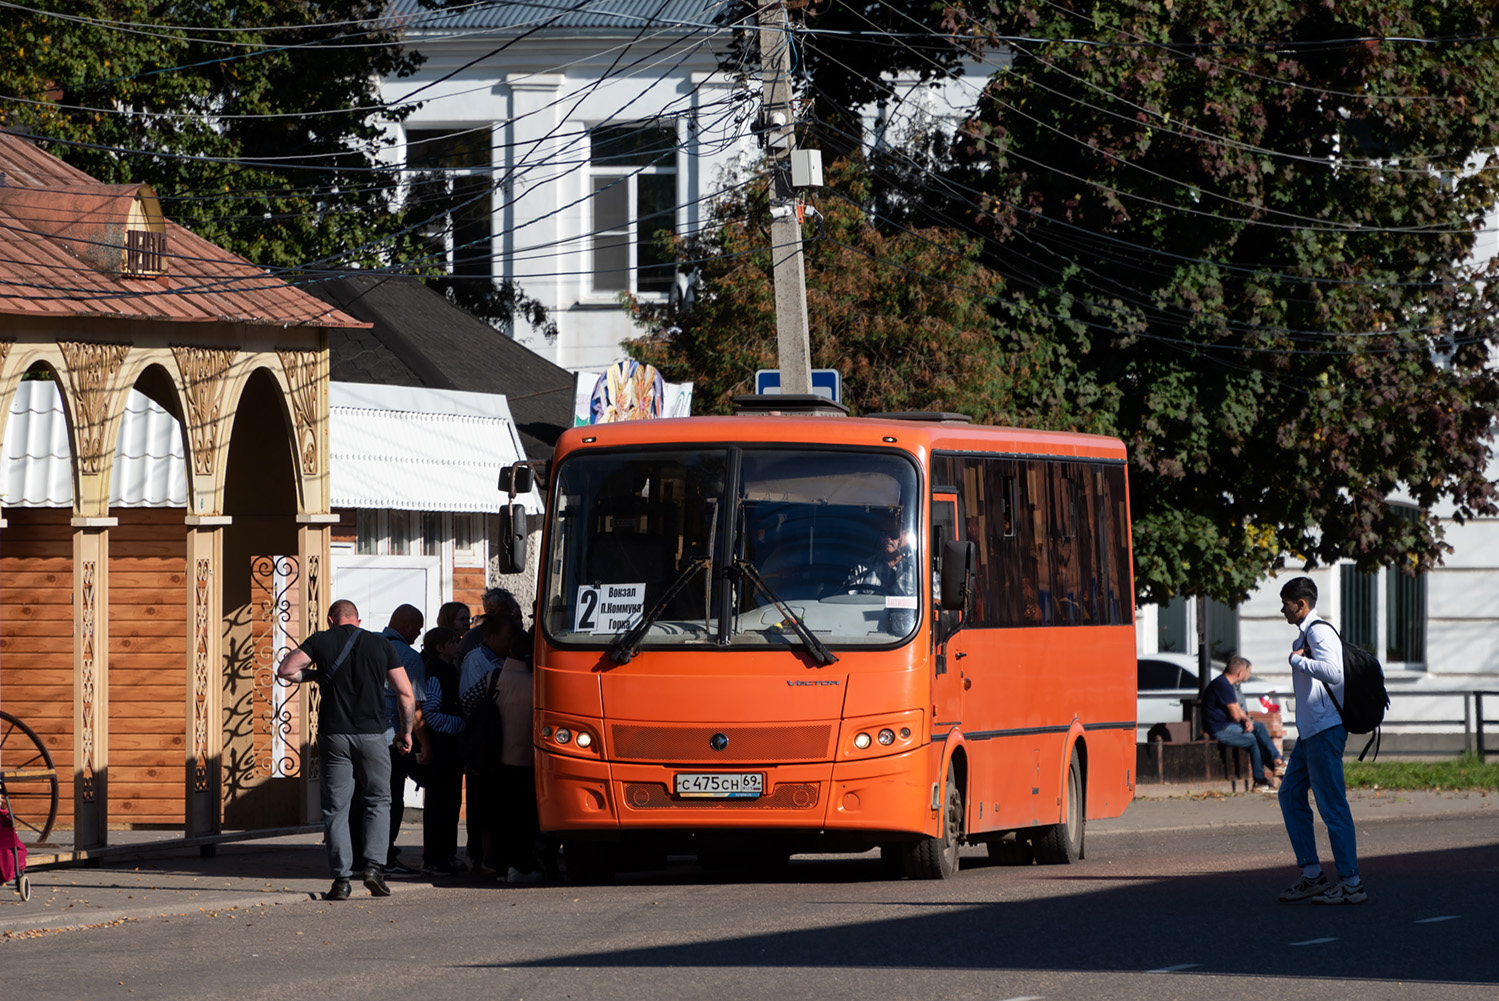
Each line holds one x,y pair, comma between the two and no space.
1257,742
1317,765
348,761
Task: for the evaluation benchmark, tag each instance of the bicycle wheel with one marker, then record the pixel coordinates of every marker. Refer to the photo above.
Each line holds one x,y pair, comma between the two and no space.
30,779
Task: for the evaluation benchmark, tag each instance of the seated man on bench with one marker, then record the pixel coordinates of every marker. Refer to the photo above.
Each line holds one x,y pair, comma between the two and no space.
1224,717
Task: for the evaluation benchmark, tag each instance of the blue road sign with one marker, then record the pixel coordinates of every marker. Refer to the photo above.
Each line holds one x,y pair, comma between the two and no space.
825,382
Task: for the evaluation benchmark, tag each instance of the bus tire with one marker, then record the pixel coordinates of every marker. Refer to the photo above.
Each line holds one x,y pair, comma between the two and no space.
1062,842
937,858
588,863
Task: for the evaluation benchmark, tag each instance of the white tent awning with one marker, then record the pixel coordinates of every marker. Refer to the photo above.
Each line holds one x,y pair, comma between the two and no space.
409,449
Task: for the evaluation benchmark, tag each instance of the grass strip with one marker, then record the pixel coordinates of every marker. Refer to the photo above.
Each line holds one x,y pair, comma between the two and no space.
1464,772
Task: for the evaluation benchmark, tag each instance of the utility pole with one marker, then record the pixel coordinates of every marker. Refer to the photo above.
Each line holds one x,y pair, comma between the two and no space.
785,224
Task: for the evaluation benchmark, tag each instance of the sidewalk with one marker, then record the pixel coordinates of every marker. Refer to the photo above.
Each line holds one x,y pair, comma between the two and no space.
294,868
1207,805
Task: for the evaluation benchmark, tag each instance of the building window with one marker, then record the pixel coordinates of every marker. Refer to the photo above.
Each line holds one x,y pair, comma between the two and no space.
1360,607
367,534
1398,636
450,197
1405,599
633,180
1176,630
468,540
420,533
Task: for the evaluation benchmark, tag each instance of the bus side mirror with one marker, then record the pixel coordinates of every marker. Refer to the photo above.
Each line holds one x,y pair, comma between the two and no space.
511,554
517,479
957,569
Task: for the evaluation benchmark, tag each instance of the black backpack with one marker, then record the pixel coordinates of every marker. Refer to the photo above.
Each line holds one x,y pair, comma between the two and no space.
1364,697
481,739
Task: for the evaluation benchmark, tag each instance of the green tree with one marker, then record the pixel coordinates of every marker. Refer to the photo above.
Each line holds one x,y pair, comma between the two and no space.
258,126
900,340
1234,235
260,123
849,56
1245,227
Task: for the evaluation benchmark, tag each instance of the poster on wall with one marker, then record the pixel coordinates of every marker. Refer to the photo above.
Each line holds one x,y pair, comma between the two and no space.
628,391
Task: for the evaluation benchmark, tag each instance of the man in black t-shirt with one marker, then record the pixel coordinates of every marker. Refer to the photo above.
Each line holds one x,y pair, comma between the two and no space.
1224,717
351,668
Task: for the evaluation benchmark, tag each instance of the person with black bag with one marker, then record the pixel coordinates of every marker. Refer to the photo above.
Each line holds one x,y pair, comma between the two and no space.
351,667
441,766
1316,764
479,743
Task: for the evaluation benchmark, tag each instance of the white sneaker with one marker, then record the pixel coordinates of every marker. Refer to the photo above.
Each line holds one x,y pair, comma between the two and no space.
516,876
1342,893
1304,888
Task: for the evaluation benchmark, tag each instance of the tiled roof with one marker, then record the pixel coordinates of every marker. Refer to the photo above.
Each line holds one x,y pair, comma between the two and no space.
515,15
44,273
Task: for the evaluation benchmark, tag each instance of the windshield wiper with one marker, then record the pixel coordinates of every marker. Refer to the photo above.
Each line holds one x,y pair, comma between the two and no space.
623,649
814,646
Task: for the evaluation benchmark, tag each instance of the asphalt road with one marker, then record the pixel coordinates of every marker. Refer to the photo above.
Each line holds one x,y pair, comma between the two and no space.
1156,914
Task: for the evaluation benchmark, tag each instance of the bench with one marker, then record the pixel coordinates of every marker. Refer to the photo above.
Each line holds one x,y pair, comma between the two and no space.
1173,756
1170,755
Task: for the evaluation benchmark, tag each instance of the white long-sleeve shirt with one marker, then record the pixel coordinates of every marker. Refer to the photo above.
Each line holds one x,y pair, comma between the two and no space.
1312,675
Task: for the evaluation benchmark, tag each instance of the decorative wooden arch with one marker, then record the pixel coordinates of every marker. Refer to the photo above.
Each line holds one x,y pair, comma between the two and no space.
196,325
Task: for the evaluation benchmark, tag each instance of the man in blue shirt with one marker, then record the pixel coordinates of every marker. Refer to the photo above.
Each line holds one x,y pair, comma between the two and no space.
1224,717
405,626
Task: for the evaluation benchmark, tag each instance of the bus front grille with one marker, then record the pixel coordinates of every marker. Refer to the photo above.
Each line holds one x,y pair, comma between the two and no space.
807,742
785,796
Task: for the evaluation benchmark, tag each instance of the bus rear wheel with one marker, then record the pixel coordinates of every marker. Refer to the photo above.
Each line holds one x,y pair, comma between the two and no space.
1062,842
937,858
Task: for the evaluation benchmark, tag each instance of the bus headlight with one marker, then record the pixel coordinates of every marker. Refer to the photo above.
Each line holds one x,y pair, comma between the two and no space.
562,735
584,738
874,736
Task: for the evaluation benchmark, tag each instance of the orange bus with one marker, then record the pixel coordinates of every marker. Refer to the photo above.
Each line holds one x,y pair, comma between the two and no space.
767,635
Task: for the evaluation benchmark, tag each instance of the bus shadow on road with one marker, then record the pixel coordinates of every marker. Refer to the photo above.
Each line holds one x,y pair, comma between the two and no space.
1426,920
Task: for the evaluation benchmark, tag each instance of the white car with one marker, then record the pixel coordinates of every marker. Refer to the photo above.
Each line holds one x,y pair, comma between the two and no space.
1165,679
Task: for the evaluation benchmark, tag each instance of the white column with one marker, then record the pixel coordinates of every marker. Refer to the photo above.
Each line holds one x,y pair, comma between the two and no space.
538,154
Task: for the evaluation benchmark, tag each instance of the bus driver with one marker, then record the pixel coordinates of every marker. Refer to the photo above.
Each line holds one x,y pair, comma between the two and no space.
890,570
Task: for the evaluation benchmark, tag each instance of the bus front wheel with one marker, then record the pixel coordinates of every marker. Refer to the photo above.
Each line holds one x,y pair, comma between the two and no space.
1062,842
937,858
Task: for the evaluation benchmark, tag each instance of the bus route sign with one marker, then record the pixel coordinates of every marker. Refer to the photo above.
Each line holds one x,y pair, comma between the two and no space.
608,609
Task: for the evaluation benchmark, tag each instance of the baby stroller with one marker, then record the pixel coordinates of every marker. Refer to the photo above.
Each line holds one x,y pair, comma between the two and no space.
12,851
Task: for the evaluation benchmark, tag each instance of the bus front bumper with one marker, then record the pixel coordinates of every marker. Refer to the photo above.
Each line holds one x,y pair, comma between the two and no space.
891,794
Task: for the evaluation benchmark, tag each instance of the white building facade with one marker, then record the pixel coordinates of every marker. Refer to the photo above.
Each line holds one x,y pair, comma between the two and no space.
576,133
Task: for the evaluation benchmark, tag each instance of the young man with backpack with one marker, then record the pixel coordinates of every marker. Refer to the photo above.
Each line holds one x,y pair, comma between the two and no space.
1316,763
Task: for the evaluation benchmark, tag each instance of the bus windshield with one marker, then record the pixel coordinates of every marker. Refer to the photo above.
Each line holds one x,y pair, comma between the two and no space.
734,546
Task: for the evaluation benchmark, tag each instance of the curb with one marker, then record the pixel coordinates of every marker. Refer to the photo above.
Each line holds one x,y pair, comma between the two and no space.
106,917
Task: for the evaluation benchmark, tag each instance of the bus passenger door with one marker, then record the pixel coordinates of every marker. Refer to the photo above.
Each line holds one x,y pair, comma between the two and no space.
947,655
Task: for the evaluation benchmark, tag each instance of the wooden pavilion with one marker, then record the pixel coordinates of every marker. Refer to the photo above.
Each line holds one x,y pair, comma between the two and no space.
140,643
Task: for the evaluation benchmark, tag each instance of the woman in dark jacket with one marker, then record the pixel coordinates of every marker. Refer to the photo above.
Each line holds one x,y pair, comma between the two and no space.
442,721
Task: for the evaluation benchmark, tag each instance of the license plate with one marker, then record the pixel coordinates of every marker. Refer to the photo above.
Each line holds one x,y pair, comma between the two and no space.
721,785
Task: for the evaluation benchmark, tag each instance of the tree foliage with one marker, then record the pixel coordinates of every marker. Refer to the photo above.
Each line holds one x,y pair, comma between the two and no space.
258,126
259,123
900,340
1246,226
847,68
1235,235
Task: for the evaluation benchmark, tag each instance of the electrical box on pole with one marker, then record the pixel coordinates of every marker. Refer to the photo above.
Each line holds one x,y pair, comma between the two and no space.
787,264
